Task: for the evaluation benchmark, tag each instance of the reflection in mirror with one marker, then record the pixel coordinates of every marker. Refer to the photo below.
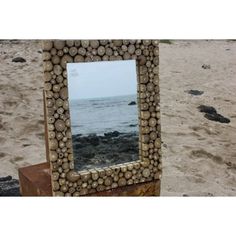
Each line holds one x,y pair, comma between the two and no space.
103,113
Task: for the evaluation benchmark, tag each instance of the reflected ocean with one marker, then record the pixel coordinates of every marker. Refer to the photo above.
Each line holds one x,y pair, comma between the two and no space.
102,115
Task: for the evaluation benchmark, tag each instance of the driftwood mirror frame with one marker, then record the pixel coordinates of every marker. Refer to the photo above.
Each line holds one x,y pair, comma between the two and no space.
66,181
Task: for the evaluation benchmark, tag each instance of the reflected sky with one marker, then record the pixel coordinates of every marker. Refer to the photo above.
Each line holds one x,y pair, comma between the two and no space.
101,79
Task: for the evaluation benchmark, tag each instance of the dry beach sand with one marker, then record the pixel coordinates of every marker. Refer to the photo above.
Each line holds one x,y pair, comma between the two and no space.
199,155
21,106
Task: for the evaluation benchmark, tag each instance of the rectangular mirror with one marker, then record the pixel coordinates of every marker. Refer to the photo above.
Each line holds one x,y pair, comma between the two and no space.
104,113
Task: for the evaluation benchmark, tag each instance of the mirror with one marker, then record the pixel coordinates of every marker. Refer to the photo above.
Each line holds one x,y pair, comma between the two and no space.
103,112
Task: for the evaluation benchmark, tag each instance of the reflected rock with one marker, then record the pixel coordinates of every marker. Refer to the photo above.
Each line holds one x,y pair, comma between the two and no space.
112,134
132,103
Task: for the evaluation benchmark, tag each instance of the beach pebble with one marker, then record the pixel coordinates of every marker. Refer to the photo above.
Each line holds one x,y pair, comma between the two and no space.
18,59
204,66
194,92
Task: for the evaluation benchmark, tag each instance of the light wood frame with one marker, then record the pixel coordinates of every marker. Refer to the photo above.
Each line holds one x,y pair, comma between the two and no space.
66,181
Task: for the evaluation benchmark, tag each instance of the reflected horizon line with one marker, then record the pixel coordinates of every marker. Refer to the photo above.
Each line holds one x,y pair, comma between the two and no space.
90,98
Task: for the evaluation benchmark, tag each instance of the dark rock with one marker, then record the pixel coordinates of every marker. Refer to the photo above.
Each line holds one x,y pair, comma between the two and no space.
132,103
18,59
132,125
9,186
111,149
217,117
195,92
204,66
94,140
7,178
112,134
86,152
207,109
211,114
77,145
40,52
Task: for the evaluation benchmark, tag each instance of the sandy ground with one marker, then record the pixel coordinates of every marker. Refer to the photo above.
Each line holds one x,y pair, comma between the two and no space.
21,107
199,155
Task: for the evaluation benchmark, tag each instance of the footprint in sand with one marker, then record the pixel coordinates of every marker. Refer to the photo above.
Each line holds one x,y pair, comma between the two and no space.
5,113
2,140
40,135
2,154
209,131
16,159
202,154
34,126
195,179
10,103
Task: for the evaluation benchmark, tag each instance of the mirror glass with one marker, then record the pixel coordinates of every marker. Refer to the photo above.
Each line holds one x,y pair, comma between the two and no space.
103,113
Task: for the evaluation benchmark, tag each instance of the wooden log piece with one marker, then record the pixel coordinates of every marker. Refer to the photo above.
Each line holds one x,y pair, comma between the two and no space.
122,182
59,44
152,122
94,43
157,143
53,144
77,43
65,50
73,51
126,56
47,45
60,125
66,59
48,66
56,59
103,42
57,69
85,43
117,43
46,56
70,43
145,115
101,50
79,58
82,51
109,52
53,51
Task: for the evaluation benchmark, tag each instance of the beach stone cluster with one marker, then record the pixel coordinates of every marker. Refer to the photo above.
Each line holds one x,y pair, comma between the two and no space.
96,151
66,181
9,187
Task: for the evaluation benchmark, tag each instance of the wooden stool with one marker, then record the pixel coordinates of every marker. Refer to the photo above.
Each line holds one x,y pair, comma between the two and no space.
35,180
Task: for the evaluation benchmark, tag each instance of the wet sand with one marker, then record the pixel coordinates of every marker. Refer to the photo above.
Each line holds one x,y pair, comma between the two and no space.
199,155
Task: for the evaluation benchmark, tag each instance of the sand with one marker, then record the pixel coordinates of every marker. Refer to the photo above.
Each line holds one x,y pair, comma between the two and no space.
21,107
199,155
